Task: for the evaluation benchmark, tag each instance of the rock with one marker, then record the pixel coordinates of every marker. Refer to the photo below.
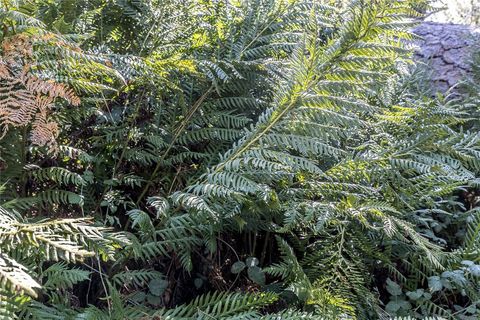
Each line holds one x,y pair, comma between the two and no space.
458,57
441,86
431,51
441,72
446,48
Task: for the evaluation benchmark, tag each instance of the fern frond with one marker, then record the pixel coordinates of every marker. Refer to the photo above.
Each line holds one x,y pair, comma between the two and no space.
219,305
14,276
60,276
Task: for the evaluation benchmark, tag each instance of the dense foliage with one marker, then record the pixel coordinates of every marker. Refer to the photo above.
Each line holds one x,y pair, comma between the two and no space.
251,159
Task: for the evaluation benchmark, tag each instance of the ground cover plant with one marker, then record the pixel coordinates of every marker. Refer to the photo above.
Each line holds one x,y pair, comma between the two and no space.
250,159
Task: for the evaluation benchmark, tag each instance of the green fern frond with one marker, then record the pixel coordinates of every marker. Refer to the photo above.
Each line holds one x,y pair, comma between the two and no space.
60,276
220,305
136,278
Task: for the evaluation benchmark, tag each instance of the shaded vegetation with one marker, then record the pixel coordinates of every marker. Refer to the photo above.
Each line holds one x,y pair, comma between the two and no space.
252,159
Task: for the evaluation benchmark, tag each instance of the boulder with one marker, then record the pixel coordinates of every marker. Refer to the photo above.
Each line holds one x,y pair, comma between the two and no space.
447,49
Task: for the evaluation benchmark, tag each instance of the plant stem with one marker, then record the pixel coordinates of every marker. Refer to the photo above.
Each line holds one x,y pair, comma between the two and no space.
176,135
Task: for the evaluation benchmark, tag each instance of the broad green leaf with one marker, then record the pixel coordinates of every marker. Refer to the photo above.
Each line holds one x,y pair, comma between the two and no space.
475,270
198,282
238,267
434,283
157,286
256,275
393,288
154,299
392,307
415,295
251,262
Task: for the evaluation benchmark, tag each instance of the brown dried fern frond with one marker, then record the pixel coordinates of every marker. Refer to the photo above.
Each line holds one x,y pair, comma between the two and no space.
17,47
50,88
4,71
25,99
44,132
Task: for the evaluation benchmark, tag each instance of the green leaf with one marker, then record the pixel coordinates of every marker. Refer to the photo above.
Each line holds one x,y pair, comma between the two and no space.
256,275
252,262
415,295
154,299
392,307
405,305
475,270
238,267
198,282
157,286
471,309
434,283
468,263
393,288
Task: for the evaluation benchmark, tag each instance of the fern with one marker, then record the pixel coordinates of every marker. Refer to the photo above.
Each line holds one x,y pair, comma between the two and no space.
16,278
220,305
59,276
137,278
275,137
